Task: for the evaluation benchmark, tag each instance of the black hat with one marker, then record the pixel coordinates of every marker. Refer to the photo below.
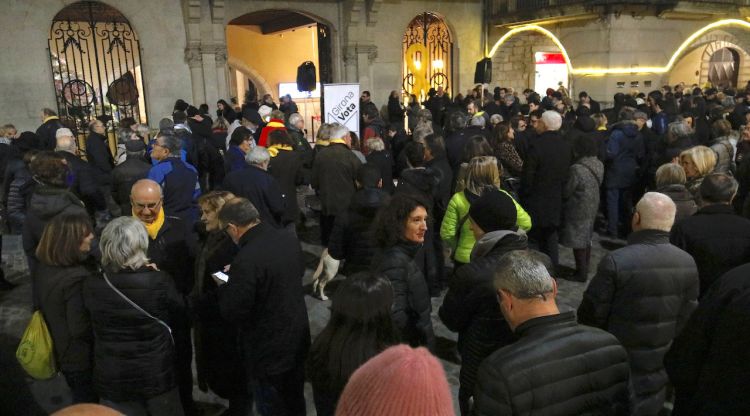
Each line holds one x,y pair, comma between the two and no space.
192,111
494,211
252,116
135,145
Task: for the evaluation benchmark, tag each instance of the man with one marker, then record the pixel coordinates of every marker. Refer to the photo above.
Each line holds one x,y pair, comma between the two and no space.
478,127
659,118
334,176
470,305
257,185
195,143
250,120
709,361
557,367
178,179
84,183
172,250
374,127
365,104
717,238
102,163
288,106
264,297
456,140
646,279
276,122
585,101
47,131
296,129
545,173
127,173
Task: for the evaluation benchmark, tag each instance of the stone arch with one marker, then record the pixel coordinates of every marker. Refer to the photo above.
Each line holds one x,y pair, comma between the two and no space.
252,74
743,71
710,42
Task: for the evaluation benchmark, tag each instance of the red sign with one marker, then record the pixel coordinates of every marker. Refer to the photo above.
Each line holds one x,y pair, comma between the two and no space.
545,58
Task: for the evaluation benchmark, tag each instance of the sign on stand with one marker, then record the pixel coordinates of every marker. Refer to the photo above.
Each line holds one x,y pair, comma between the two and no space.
341,105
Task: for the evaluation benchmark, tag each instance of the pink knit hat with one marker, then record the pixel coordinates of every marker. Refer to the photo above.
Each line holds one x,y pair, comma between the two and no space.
400,381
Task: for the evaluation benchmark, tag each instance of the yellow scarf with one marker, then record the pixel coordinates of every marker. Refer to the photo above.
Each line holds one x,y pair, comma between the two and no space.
274,150
602,128
154,227
338,141
50,118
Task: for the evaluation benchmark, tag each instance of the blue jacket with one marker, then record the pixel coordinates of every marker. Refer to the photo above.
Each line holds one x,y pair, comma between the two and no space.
234,159
624,151
659,123
179,183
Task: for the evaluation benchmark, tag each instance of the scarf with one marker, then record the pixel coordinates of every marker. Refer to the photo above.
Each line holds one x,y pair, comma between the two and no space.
338,141
50,118
154,227
274,150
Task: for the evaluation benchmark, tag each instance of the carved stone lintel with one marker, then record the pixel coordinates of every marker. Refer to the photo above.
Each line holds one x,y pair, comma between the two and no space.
193,56
352,52
221,57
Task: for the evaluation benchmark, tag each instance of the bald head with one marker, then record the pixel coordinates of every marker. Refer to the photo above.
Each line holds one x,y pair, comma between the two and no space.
146,199
655,211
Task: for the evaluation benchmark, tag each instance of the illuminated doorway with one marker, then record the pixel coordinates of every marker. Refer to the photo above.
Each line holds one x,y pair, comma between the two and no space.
427,55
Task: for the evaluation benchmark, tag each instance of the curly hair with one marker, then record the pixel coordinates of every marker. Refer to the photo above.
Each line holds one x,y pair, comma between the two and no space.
391,219
50,169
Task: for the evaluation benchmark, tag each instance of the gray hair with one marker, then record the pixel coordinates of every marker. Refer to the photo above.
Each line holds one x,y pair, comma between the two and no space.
478,121
63,132
124,134
670,174
257,156
65,142
171,143
552,120
339,131
420,133
142,129
295,118
524,275
657,211
424,115
679,129
375,144
124,244
496,119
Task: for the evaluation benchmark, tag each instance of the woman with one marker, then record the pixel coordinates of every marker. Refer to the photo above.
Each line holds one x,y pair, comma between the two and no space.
239,144
355,146
219,134
400,229
65,243
481,172
476,146
581,203
670,181
412,111
360,328
216,353
722,146
505,151
223,109
396,109
286,167
381,158
123,135
697,162
130,306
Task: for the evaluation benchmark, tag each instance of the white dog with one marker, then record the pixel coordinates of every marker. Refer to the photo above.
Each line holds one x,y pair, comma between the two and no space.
326,271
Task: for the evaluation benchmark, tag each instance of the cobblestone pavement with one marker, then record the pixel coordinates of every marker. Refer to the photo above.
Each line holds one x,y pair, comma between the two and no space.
15,311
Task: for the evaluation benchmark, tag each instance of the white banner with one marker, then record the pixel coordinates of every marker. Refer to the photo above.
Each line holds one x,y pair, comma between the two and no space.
341,105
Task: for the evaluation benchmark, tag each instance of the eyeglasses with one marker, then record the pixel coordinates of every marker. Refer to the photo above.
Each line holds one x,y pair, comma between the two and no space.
150,206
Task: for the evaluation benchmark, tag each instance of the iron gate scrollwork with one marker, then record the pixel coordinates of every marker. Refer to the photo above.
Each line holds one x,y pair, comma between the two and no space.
96,66
428,55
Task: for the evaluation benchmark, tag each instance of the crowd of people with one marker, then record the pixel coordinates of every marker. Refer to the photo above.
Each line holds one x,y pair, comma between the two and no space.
180,245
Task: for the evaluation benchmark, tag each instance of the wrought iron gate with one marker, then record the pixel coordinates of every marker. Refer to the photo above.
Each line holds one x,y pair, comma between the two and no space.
428,55
96,66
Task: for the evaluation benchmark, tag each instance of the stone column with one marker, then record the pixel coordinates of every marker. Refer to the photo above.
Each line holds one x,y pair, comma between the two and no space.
209,73
222,73
195,62
350,64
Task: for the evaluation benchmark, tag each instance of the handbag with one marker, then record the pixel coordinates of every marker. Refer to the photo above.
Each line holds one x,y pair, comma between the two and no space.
135,305
35,353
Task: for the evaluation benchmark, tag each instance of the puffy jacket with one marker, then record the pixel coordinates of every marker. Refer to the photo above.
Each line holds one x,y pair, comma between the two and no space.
470,305
709,361
179,180
60,297
133,354
556,368
643,294
19,186
682,198
625,150
458,209
411,303
724,155
124,176
717,239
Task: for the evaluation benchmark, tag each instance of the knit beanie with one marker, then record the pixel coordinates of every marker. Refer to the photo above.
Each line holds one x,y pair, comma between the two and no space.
400,381
494,211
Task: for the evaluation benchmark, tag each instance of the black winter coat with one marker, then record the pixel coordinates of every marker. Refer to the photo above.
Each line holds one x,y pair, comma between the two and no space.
85,183
454,148
411,303
717,239
384,161
124,176
682,198
470,305
556,368
47,133
545,173
334,174
260,188
18,187
286,168
709,361
264,297
443,194
643,294
625,152
352,238
100,158
173,251
133,354
60,296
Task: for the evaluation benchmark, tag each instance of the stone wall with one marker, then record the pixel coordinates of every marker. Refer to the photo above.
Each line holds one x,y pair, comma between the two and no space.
513,64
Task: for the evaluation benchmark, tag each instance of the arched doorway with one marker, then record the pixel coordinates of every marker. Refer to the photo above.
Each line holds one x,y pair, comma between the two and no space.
529,59
96,66
427,55
723,68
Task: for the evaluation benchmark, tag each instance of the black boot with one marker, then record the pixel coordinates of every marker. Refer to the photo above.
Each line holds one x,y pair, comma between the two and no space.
582,264
4,284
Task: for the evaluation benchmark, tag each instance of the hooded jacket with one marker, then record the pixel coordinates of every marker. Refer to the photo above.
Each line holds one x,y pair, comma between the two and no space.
625,150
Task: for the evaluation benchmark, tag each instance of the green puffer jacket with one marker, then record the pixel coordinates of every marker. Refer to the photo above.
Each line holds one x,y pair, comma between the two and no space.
458,208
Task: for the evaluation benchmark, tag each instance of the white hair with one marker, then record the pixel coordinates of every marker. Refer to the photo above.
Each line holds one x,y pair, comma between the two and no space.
65,143
552,120
496,118
523,274
63,132
375,144
657,211
339,131
295,118
257,156
478,121
124,244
